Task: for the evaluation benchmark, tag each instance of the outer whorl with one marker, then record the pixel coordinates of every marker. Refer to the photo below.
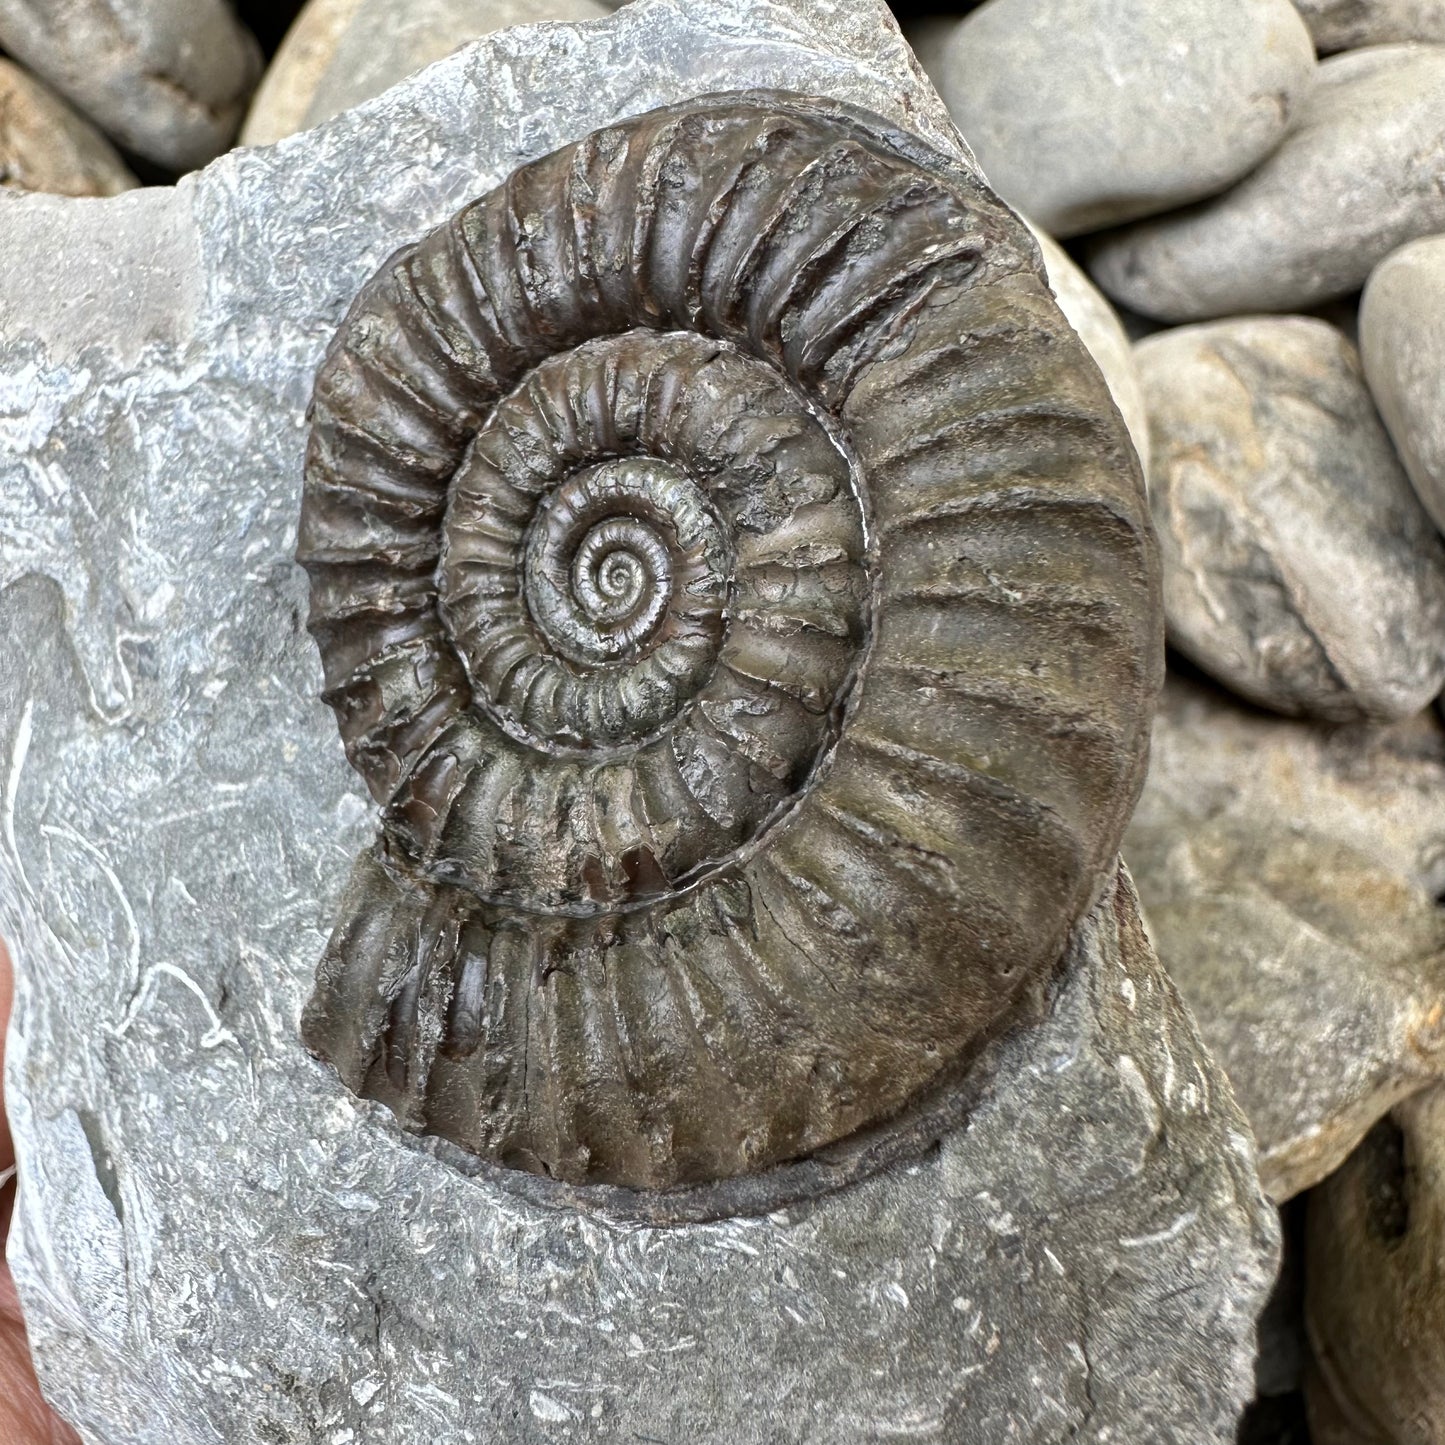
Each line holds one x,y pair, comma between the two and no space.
734,583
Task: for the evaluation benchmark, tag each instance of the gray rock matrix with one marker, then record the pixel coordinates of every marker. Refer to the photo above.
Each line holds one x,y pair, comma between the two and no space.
214,1241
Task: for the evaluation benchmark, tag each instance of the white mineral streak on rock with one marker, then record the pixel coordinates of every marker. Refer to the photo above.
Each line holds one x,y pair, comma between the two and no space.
1086,113
178,819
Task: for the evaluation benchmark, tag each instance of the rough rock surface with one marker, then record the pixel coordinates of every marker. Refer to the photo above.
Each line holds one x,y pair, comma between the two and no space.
1361,172
46,146
1299,566
167,79
1375,1286
210,1231
1402,344
1288,873
341,52
1349,24
1102,332
1084,113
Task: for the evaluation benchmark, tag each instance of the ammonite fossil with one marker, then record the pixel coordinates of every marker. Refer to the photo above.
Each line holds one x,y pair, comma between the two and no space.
735,585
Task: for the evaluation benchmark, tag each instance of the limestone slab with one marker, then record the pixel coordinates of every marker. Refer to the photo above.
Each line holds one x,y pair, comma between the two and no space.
214,1240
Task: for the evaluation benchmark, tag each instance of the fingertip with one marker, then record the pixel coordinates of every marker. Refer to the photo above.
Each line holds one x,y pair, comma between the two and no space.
7,998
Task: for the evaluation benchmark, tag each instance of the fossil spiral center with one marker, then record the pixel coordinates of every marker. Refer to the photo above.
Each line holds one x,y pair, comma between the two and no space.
654,575
613,551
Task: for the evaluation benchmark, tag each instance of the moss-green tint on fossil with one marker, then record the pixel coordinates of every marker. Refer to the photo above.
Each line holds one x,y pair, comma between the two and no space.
735,585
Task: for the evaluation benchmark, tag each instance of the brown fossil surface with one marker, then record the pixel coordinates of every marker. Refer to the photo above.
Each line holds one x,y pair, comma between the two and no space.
735,585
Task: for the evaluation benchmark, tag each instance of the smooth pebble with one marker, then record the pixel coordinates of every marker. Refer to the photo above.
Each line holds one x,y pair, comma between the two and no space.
1349,24
166,79
1361,172
1402,343
1299,567
1086,113
46,146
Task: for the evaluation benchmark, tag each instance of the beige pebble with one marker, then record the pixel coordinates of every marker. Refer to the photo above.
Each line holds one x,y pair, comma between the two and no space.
1299,567
339,53
1361,172
46,146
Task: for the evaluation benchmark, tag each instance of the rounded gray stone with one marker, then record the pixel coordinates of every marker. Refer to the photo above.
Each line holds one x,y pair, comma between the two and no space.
341,52
1085,113
46,146
166,79
1100,330
1299,567
1402,343
928,34
1361,172
1288,872
1350,24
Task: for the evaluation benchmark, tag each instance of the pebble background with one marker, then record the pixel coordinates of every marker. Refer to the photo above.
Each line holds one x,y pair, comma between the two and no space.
1229,176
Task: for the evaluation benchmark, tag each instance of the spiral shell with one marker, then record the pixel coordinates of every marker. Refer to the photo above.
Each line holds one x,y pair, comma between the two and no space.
734,583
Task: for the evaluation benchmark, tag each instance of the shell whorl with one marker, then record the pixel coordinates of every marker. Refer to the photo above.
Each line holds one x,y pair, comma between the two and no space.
735,585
